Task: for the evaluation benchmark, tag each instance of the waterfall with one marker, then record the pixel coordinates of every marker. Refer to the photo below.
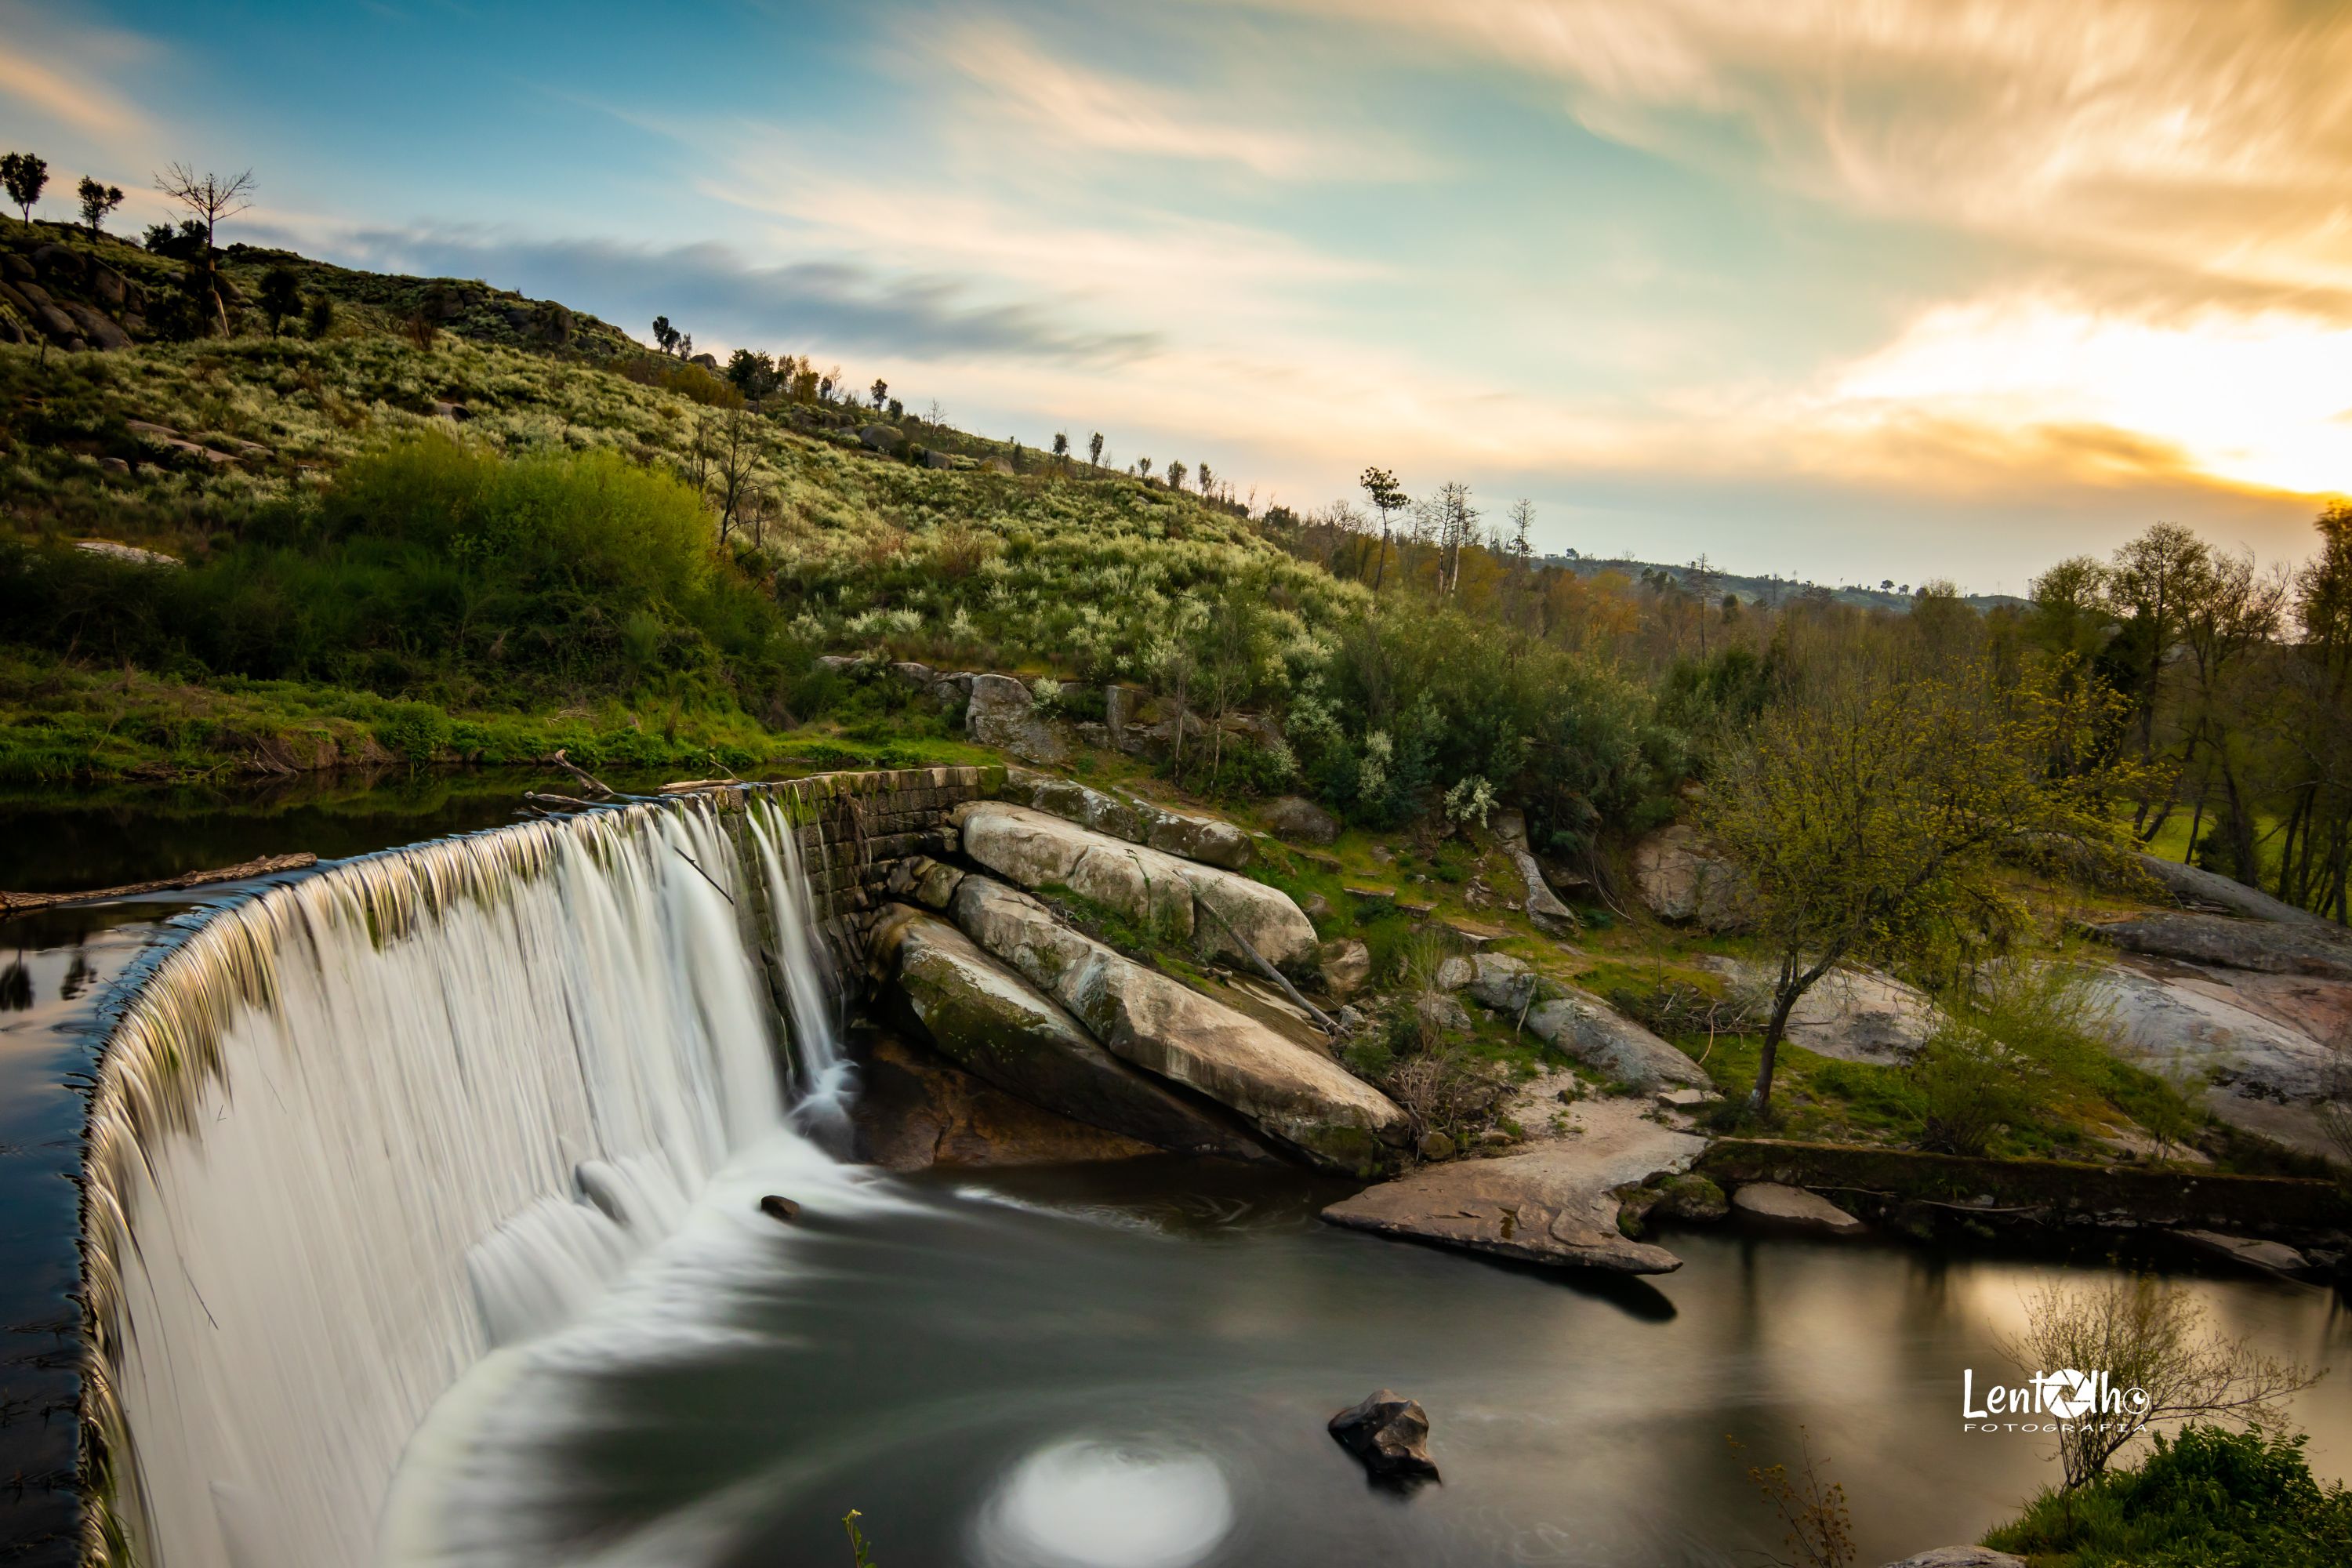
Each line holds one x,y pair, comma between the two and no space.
364,1128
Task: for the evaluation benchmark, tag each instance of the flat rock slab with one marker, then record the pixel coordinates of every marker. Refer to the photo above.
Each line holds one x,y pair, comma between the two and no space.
2195,884
2275,1257
2262,945
2184,1027
1794,1205
1586,1028
1555,1205
1961,1557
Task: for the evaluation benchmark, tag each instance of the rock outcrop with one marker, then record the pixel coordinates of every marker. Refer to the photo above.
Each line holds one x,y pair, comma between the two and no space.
1037,850
1201,838
1960,1557
2193,884
1586,1028
994,1025
1145,1019
2262,946
1853,1014
1555,1205
1681,879
1388,1433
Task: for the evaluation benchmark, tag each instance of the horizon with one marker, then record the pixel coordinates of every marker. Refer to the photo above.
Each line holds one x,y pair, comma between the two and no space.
1933,296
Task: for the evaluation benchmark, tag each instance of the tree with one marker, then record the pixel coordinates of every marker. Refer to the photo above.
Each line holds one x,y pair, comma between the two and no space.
1381,487
2151,1339
732,458
665,335
211,201
1866,809
281,296
1175,476
1523,520
1094,449
1062,444
881,392
1143,466
1208,483
752,374
321,318
96,201
22,174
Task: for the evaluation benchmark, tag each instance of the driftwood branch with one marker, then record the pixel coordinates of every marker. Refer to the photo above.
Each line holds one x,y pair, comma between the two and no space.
16,903
1322,1020
568,802
584,775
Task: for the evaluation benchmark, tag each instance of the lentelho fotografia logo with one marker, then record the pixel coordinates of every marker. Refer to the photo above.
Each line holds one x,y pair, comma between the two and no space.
2051,1402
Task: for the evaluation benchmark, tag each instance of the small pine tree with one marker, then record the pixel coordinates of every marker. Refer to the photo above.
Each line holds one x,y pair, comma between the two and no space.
281,296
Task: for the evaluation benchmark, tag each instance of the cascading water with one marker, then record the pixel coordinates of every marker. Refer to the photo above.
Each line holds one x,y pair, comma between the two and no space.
368,1126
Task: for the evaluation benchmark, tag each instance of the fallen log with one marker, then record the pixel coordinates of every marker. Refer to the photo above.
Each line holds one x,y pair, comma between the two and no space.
17,904
584,775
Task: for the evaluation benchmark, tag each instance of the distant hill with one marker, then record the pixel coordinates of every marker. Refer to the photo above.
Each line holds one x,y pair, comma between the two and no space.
1768,591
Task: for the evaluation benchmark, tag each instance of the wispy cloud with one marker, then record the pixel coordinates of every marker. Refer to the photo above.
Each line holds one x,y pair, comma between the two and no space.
1070,109
2210,135
837,306
38,85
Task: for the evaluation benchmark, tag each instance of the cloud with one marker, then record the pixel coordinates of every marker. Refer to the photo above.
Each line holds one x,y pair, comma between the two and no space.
837,306
68,95
1076,111
2214,135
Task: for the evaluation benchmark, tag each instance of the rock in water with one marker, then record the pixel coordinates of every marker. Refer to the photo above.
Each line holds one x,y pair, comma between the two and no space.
1794,1205
1388,1433
780,1209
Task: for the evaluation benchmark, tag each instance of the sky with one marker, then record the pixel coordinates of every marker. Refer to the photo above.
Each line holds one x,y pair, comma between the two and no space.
1845,291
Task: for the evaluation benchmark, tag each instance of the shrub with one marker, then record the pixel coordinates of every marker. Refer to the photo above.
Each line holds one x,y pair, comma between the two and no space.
2207,1498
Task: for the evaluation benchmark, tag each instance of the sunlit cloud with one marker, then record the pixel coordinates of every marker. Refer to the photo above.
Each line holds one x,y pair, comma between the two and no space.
56,72
2210,134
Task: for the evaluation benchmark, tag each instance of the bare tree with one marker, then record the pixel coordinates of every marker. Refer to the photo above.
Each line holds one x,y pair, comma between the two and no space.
733,460
210,200
2163,1365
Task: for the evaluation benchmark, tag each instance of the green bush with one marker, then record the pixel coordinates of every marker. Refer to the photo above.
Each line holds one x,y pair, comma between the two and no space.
2208,1498
417,730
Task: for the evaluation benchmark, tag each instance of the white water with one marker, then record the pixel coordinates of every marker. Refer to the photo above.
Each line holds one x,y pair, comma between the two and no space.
365,1129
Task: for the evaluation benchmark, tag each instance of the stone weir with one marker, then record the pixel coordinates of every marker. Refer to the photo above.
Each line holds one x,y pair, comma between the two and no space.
355,1130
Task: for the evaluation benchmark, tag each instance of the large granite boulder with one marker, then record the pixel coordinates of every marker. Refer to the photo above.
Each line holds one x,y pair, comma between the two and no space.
2198,1034
1301,821
1960,1557
1555,1205
1682,880
1002,711
1853,1014
915,1109
1122,816
990,1022
2263,946
1586,1028
1188,899
1147,1018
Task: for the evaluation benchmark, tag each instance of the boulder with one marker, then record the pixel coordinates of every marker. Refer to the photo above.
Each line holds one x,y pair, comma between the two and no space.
1301,821
1343,965
2262,946
1434,1145
1555,1205
1500,981
2193,884
1001,713
929,882
1439,1014
881,438
1201,838
2273,1256
1794,1205
1543,906
916,1109
128,555
97,326
1586,1028
1684,881
992,1022
1200,901
1388,1433
1853,1014
1154,1022
780,1208
1961,1557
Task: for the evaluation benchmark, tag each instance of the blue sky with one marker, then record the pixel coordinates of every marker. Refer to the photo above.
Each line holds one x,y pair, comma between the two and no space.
1901,291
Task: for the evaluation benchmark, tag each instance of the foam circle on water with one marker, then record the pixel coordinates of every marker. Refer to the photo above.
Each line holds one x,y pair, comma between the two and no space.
1098,1504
